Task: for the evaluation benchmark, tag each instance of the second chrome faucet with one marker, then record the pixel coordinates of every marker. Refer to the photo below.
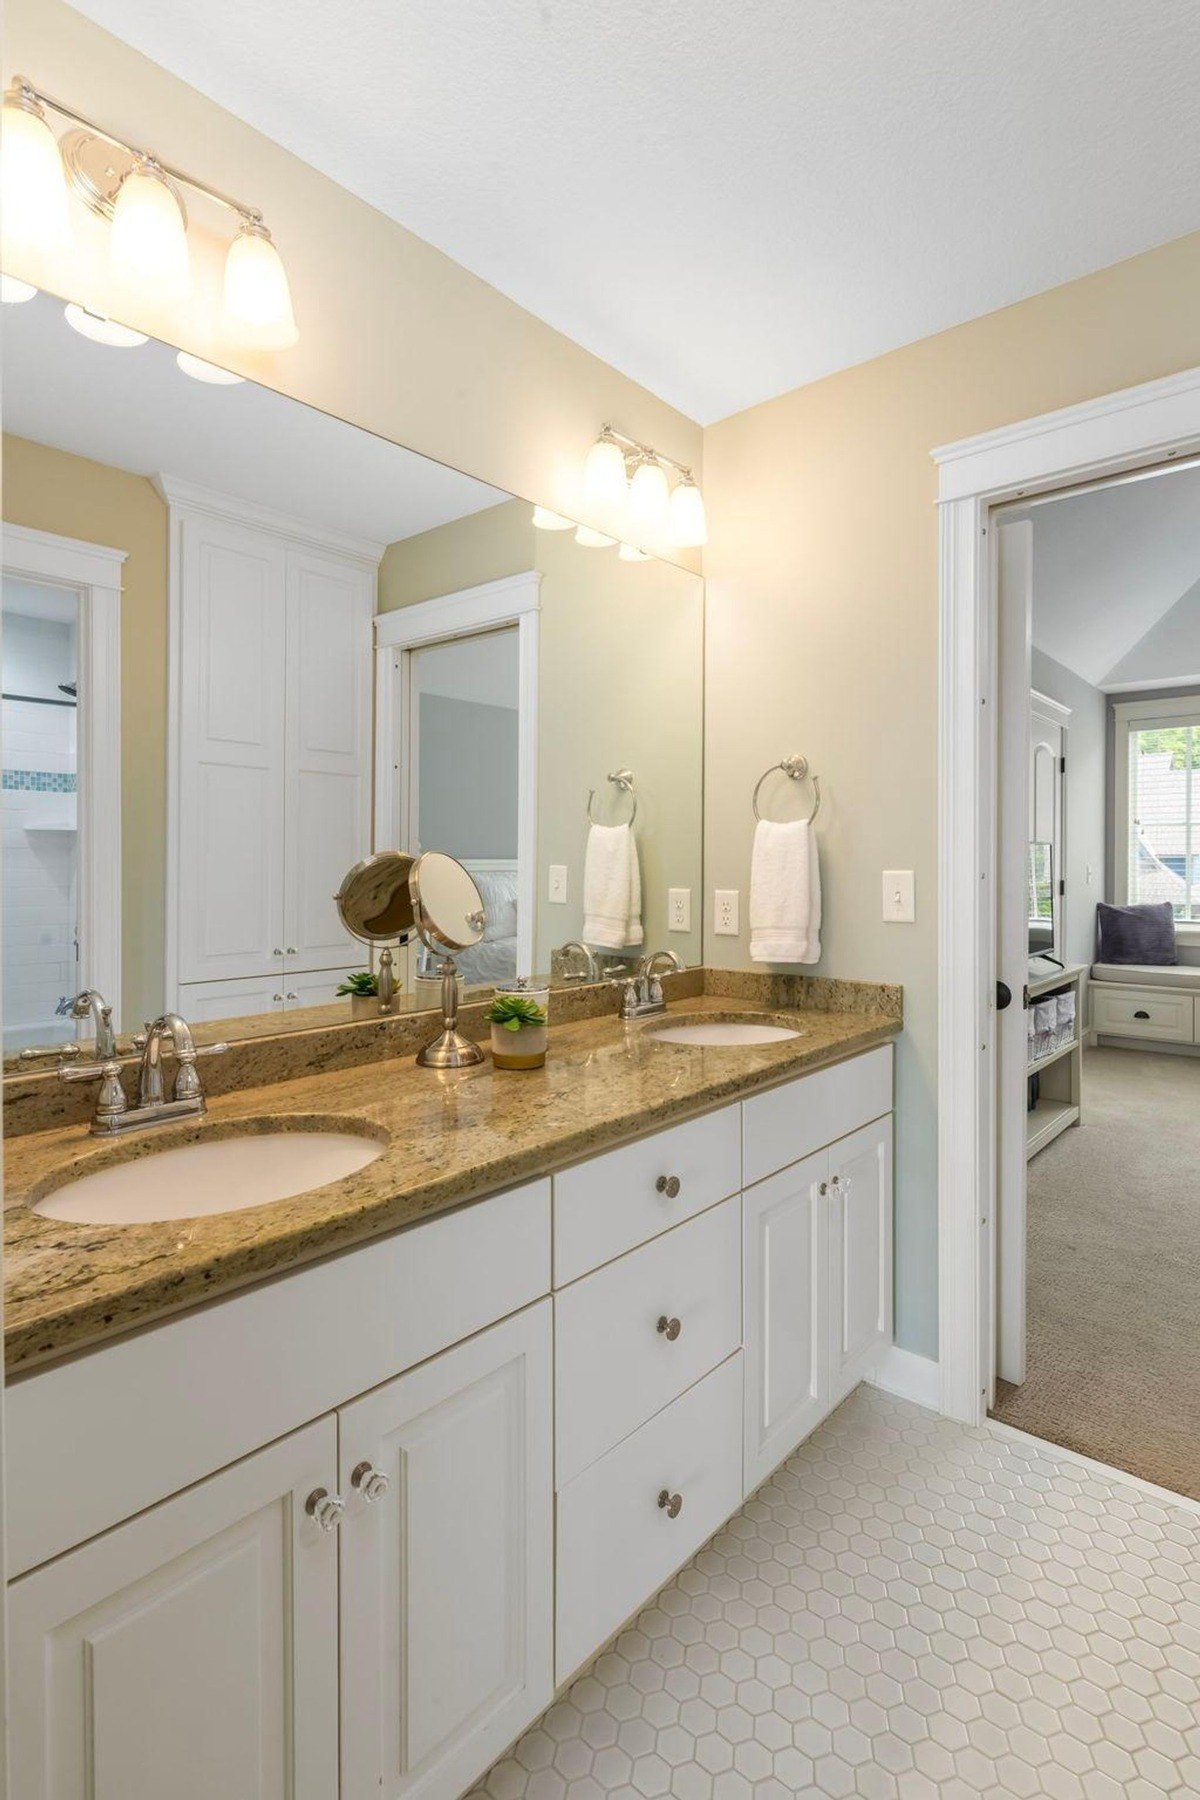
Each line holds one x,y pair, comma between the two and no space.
642,992
114,1114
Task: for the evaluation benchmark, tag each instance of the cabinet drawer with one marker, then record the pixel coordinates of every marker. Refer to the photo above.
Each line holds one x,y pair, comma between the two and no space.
614,1366
612,1203
1144,1013
616,1544
790,1122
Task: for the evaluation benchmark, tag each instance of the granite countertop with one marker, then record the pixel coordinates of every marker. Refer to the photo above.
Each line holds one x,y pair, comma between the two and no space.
451,1137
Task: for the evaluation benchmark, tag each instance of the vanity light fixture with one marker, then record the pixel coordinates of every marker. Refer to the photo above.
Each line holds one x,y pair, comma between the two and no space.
621,473
14,292
101,330
689,523
141,197
592,540
545,520
649,498
199,370
605,478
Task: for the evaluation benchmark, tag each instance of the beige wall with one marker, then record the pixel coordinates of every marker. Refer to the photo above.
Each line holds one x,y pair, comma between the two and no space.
50,490
394,336
620,684
822,630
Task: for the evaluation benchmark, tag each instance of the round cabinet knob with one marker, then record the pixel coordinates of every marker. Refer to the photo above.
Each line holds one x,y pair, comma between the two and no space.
291,950
277,953
370,1482
278,997
326,1508
291,995
671,1504
668,1185
824,1188
670,1328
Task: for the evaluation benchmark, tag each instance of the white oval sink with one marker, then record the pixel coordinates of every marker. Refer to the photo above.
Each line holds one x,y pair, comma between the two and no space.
724,1032
217,1175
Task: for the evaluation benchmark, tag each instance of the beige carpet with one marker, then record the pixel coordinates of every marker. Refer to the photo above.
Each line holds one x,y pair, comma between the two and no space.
1113,1364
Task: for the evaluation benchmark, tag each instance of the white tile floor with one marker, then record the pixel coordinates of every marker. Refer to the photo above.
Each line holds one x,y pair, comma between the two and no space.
909,1609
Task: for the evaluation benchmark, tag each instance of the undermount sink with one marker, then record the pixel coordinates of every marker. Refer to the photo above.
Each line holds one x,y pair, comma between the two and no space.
215,1175
725,1033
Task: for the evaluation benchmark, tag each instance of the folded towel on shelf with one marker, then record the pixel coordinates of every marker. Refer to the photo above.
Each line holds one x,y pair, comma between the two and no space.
785,893
1064,1005
612,888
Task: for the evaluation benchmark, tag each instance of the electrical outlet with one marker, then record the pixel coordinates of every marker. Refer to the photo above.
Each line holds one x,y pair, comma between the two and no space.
725,912
556,887
679,909
899,899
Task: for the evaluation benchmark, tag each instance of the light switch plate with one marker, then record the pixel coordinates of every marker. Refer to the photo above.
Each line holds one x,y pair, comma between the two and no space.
725,912
556,887
899,897
679,909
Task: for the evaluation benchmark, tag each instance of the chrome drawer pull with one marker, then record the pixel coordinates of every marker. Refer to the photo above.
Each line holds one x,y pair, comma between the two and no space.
670,1328
671,1504
668,1185
325,1508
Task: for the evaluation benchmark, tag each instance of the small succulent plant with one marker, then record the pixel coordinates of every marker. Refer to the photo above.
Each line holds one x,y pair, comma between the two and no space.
361,986
515,1012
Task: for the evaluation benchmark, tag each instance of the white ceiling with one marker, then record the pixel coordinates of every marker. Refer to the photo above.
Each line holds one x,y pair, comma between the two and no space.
726,201
1115,574
135,410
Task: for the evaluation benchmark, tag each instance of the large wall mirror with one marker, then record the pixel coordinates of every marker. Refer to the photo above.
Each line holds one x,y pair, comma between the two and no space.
245,643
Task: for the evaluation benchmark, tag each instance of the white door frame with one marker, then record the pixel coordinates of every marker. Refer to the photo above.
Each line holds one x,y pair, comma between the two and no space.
93,573
511,601
1136,426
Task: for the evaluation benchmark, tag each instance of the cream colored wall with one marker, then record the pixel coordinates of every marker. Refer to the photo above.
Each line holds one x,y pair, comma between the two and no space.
822,631
50,490
394,336
620,684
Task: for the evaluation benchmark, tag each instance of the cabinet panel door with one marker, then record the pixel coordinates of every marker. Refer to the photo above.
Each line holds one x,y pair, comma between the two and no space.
784,1255
447,1578
230,749
191,1652
330,604
860,1230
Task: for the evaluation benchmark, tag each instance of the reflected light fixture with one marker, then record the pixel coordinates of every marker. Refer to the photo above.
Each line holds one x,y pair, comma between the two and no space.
100,330
142,198
689,523
199,370
592,540
14,292
545,520
654,509
33,193
605,478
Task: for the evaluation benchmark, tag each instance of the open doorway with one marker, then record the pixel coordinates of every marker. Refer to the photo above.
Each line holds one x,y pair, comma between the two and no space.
1097,1251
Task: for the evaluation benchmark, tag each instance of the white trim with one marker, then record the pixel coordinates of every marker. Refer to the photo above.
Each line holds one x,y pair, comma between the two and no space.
1127,716
1106,1471
94,572
343,544
1054,710
910,1376
511,601
1149,687
1154,422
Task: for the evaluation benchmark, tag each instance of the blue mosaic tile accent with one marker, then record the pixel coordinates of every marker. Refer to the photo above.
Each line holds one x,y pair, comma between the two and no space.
38,781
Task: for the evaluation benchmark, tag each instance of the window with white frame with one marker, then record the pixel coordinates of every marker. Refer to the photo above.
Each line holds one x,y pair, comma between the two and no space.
1157,824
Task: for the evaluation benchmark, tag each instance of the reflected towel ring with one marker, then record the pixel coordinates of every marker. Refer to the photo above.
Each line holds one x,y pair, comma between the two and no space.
622,778
795,768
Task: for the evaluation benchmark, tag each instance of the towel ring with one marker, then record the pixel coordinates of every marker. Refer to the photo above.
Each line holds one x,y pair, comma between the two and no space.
795,768
622,778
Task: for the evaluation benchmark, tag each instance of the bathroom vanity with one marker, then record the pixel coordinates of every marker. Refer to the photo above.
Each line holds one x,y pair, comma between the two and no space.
344,1530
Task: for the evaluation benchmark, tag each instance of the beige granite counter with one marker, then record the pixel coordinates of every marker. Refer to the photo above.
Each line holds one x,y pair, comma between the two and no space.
452,1137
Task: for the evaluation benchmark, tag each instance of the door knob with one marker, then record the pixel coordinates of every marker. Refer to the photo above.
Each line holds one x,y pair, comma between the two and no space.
670,1328
326,1508
370,1482
1003,996
668,1185
671,1504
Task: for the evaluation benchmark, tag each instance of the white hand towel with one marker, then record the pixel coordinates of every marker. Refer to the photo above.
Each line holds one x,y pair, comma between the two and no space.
785,893
612,888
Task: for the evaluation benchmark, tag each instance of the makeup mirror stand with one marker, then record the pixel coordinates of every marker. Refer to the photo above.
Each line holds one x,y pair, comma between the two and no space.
451,1050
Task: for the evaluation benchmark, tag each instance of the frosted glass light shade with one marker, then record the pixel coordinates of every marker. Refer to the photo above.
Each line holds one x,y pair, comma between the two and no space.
199,370
689,523
604,479
101,330
148,248
258,302
14,292
649,499
33,185
545,520
592,540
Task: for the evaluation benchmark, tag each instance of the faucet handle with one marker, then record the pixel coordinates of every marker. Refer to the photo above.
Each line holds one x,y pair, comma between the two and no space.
212,1049
43,1052
111,1101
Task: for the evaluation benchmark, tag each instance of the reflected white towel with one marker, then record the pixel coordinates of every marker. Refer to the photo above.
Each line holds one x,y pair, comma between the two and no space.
785,893
612,888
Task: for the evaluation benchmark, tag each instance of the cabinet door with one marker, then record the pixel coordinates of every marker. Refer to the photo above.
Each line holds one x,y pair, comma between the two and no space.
786,1361
191,1652
318,988
230,749
330,604
203,1000
447,1608
860,1274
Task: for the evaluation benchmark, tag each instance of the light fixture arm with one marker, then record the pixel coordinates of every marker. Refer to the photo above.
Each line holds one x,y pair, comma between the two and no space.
646,452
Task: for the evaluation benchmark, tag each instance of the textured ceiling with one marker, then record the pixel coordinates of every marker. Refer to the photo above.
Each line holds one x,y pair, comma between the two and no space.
723,200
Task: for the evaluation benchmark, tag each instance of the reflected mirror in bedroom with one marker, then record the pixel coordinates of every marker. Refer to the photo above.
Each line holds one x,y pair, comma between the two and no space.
246,645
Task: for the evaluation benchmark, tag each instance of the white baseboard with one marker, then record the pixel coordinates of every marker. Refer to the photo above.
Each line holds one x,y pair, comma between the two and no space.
912,1377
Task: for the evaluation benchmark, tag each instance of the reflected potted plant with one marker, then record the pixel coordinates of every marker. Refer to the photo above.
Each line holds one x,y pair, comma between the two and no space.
362,988
519,1018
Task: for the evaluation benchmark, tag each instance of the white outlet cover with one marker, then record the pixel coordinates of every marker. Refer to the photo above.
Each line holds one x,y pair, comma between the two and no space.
899,897
725,912
679,909
556,886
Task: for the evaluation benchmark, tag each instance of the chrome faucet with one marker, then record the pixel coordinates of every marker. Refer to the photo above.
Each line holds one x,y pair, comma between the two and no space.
573,949
113,1113
642,994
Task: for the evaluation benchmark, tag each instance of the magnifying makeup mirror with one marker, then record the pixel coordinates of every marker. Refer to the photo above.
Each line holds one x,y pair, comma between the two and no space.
449,915
376,906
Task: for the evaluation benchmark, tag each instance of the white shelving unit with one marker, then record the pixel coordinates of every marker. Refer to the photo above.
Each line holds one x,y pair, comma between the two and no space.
1061,1072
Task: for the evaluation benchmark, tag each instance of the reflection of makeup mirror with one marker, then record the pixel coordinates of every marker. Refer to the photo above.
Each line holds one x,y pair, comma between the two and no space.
448,913
376,906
